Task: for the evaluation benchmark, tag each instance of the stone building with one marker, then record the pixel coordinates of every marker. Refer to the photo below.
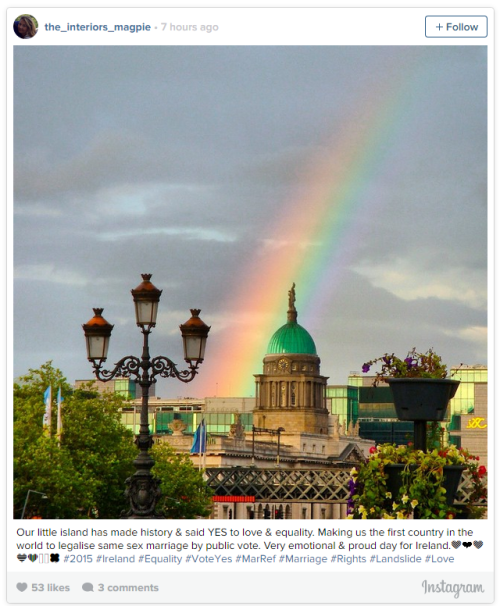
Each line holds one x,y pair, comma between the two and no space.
291,392
294,439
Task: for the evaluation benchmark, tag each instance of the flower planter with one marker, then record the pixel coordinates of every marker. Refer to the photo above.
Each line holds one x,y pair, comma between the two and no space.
452,475
417,399
451,479
394,478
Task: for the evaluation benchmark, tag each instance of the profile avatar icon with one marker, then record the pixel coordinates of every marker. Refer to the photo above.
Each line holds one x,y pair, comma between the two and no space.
25,26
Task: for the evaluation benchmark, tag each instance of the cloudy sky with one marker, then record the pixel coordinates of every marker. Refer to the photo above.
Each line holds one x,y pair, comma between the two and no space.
230,172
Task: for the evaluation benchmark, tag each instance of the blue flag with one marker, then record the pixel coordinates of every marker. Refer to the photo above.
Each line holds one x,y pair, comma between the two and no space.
200,439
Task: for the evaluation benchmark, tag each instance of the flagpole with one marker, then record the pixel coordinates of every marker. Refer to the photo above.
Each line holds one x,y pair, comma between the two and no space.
205,445
200,442
59,416
200,445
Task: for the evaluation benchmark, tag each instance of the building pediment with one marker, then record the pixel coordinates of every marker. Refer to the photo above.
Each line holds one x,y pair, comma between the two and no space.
352,454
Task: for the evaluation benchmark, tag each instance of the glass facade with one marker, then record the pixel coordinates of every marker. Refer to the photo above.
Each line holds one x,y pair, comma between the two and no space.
394,432
132,420
125,388
355,380
344,402
159,420
463,402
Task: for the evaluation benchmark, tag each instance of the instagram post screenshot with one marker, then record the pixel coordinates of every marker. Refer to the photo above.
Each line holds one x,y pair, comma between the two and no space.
249,254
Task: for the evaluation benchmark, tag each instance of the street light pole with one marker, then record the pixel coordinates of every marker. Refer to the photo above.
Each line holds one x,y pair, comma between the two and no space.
44,496
142,488
273,432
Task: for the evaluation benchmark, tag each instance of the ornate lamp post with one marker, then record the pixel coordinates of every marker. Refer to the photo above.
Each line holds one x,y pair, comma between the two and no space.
142,489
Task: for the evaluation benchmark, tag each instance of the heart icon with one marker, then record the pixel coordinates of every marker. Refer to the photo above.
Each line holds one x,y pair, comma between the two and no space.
21,557
456,544
22,586
32,557
478,544
467,544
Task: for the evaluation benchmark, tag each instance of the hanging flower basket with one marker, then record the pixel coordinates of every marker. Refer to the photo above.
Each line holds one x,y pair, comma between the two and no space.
400,482
451,479
417,399
395,476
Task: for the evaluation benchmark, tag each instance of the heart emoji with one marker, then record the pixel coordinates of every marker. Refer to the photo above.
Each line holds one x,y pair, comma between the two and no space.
467,544
32,557
21,557
22,586
478,544
456,544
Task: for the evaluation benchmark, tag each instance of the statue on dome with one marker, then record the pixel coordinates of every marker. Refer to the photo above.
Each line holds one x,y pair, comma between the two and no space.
291,298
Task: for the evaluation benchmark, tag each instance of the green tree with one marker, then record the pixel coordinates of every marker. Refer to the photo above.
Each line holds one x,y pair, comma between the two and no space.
185,493
83,471
101,448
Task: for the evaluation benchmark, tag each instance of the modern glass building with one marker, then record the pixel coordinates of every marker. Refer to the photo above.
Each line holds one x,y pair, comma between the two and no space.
463,402
127,388
191,413
373,407
344,402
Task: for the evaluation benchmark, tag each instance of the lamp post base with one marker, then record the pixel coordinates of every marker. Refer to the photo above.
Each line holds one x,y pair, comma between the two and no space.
143,492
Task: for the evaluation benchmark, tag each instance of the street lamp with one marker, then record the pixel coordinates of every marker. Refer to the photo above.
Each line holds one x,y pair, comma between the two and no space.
273,432
142,489
44,496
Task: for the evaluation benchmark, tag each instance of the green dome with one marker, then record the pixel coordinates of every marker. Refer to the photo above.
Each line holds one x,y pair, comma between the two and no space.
293,339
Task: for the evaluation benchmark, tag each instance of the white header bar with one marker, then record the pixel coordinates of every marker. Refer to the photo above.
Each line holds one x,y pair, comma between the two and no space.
245,26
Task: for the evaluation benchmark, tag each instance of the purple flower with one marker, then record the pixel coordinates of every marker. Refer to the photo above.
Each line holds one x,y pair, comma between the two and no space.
366,367
387,359
409,362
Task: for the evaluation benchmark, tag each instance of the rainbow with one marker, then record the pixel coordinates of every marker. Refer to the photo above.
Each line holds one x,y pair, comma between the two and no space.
314,235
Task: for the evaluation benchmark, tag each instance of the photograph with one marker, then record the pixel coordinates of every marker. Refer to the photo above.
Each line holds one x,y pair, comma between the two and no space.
250,282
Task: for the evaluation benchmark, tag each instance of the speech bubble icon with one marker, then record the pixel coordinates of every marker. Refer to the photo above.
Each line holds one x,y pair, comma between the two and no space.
88,587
